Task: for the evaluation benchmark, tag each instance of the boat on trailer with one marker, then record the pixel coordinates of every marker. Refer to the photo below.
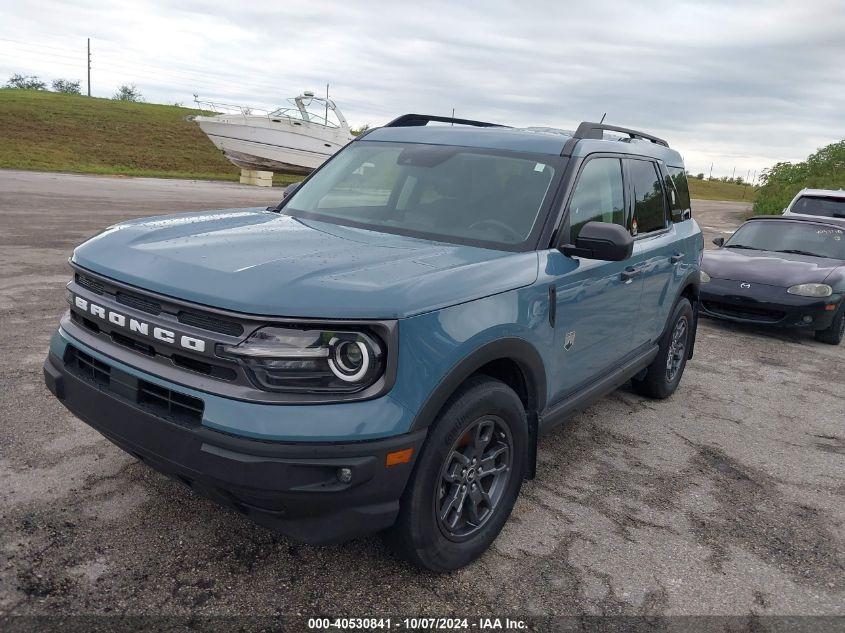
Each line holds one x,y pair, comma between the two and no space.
291,140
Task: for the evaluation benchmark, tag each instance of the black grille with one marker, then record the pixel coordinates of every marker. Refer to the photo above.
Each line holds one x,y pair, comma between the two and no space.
744,312
139,303
88,367
159,401
213,323
91,284
170,405
132,344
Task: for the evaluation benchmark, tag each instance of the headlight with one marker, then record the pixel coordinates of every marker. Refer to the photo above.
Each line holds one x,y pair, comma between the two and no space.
703,277
299,360
811,290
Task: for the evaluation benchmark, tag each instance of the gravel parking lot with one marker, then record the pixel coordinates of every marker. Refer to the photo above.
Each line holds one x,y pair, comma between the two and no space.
727,499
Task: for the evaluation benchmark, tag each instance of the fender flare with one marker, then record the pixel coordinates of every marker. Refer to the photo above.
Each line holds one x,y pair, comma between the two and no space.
523,353
693,281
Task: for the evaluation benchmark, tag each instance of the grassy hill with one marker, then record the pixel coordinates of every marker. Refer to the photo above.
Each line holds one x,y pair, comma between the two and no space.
54,132
718,190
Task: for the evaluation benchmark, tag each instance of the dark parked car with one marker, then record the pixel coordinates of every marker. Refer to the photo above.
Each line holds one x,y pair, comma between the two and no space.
779,271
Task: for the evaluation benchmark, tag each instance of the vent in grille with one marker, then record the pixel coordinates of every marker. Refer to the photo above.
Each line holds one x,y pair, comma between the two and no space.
158,401
744,312
171,405
139,303
91,284
213,323
88,367
131,343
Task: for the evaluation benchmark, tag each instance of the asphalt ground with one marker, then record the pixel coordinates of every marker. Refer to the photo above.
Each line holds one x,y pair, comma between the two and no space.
726,499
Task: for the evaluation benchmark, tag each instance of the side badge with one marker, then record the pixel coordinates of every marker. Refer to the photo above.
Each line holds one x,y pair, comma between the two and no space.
569,341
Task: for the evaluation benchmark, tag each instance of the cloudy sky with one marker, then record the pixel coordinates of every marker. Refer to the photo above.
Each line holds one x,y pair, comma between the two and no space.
738,84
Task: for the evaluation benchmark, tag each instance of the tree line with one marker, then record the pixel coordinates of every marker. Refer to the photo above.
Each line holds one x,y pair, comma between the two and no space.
125,92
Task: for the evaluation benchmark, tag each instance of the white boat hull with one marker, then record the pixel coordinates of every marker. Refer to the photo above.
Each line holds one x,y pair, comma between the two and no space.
267,145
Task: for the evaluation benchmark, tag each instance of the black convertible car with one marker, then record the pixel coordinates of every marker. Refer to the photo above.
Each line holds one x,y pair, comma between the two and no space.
780,271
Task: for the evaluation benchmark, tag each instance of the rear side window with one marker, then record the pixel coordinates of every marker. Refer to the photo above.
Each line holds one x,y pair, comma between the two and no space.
678,189
598,195
649,206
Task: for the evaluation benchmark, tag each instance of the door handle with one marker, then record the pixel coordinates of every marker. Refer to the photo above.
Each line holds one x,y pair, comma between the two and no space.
677,257
629,273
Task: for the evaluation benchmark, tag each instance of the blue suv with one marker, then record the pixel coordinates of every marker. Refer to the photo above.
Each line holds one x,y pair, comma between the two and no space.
382,350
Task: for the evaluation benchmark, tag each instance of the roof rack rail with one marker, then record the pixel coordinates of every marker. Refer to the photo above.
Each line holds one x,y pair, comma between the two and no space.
418,120
595,130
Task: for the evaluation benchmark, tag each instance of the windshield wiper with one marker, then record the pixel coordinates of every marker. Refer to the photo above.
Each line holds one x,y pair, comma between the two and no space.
795,251
741,246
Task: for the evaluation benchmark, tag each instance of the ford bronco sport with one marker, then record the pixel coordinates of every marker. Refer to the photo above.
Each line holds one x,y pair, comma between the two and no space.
382,350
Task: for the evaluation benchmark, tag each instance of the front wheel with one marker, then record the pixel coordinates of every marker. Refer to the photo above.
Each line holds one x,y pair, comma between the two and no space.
466,480
834,334
664,374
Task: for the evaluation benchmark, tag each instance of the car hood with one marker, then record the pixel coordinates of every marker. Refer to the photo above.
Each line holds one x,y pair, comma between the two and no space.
259,262
766,267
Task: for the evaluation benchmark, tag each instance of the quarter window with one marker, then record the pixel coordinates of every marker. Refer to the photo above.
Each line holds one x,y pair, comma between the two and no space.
649,207
598,195
678,188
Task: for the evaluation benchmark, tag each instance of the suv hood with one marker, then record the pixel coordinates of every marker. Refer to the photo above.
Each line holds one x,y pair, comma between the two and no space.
259,262
766,267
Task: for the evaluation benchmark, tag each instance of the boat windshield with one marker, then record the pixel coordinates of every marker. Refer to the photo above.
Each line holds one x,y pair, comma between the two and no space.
313,110
489,198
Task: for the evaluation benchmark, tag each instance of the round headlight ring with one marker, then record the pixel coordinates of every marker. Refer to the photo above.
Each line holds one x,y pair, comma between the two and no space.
340,367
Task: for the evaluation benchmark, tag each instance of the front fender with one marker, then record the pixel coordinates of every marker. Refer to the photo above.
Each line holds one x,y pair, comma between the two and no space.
511,348
440,350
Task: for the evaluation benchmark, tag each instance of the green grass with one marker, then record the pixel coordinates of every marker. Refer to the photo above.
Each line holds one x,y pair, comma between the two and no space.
46,131
718,190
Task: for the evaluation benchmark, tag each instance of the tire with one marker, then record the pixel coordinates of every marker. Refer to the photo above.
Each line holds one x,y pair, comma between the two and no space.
834,334
662,377
481,408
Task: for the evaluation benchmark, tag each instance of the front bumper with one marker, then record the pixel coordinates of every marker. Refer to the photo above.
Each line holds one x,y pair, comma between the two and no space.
762,304
290,487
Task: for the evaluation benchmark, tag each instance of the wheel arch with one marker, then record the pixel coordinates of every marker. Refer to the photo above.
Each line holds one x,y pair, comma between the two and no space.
690,291
514,361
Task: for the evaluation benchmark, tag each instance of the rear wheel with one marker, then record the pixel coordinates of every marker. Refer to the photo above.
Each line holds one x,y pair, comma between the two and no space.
664,374
466,480
834,334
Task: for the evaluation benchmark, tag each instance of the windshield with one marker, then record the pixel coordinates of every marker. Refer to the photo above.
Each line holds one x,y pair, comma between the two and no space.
820,205
454,194
801,238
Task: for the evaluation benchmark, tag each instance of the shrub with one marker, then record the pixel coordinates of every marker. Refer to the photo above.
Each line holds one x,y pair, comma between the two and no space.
128,92
25,82
823,170
66,86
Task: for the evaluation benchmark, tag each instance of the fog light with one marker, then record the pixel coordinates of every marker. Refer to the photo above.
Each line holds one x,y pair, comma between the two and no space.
344,475
807,318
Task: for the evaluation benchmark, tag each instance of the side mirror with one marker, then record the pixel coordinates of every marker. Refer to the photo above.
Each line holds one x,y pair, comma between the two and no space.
719,241
290,189
601,240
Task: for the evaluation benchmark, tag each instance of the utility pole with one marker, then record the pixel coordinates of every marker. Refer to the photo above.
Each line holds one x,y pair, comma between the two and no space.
710,177
89,66
734,173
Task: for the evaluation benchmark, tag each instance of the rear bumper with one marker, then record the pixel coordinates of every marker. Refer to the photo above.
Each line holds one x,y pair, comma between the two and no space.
766,305
290,487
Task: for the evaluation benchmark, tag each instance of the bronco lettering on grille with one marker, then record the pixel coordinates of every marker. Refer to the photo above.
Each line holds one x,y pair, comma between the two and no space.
139,327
